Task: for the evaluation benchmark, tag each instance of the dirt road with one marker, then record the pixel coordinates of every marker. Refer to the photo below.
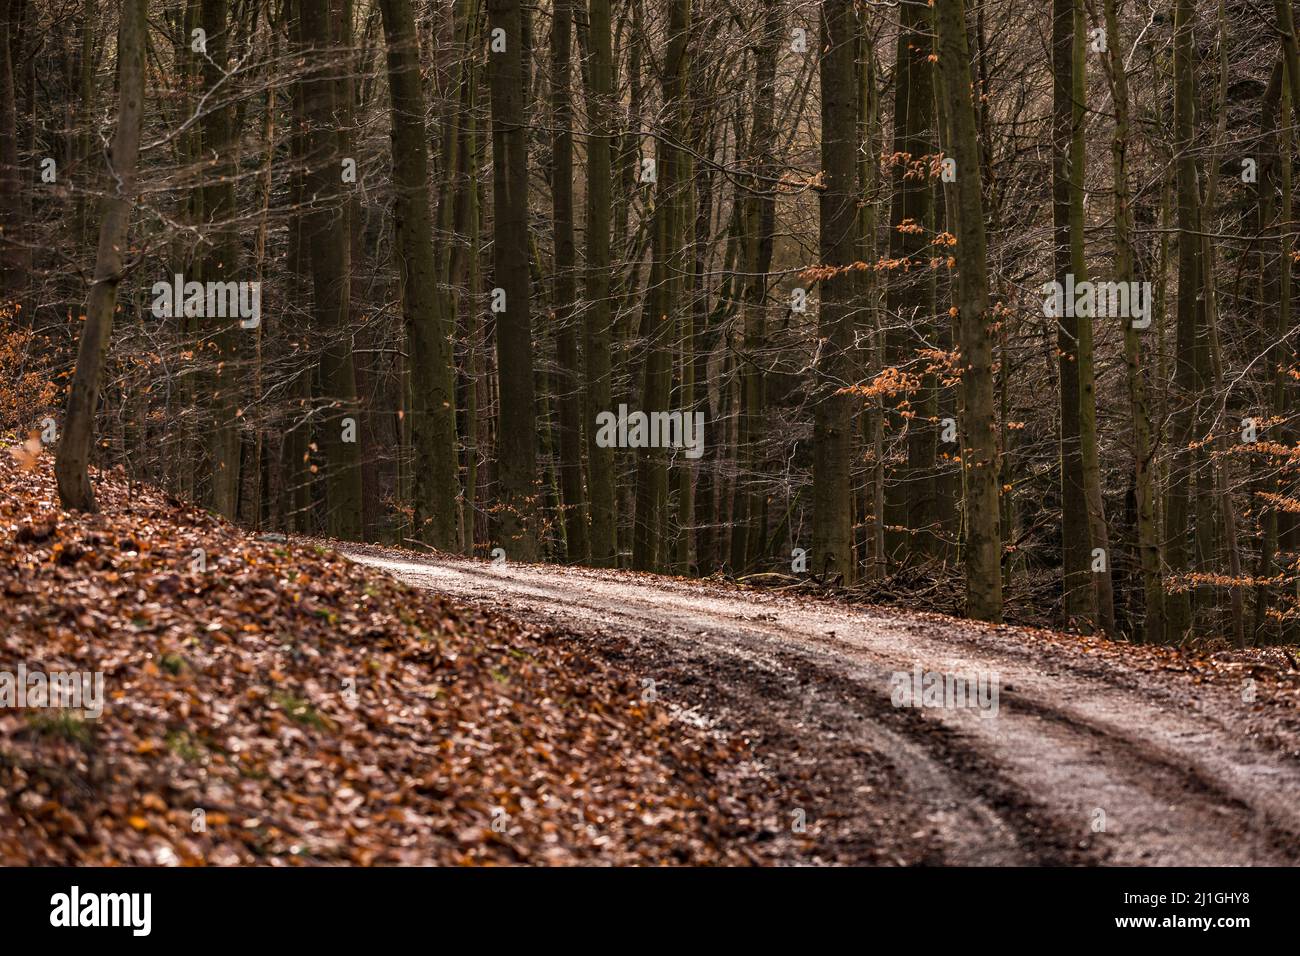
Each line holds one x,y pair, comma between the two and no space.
1086,759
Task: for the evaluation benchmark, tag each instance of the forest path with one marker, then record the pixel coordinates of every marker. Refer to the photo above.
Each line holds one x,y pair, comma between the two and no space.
1075,741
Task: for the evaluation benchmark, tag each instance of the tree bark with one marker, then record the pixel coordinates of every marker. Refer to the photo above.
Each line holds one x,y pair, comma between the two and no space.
648,546
1148,543
1288,522
1098,532
909,491
1067,220
71,466
428,331
1187,374
758,220
517,464
572,494
1284,10
15,254
596,328
328,242
983,543
222,262
832,554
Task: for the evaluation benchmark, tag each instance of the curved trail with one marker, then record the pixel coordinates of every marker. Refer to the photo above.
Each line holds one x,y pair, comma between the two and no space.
1079,765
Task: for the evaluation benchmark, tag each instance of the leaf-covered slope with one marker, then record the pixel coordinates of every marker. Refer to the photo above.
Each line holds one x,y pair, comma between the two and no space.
287,706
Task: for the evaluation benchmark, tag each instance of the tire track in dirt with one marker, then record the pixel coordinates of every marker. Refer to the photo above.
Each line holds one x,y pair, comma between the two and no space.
807,682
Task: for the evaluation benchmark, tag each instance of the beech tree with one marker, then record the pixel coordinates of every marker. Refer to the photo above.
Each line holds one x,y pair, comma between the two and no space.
832,428
517,468
71,464
979,446
433,425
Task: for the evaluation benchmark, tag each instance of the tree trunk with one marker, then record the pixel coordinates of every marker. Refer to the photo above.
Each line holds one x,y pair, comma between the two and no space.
1288,522
1218,465
1067,221
572,495
222,262
833,413
1284,10
1187,378
71,467
758,220
1276,357
596,331
253,506
295,498
517,434
909,492
330,250
983,544
1100,559
15,253
1148,542
648,545
871,419
465,270
428,332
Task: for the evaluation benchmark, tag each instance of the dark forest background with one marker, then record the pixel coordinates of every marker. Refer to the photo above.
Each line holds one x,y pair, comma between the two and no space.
825,226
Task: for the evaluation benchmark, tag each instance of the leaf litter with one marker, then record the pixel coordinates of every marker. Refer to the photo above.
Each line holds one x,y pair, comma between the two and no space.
274,703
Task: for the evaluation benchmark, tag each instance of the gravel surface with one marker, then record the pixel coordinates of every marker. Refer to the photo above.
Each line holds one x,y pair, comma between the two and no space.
1096,753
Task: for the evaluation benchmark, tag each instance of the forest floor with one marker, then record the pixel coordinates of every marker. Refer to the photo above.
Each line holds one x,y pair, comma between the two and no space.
1100,752
297,702
275,703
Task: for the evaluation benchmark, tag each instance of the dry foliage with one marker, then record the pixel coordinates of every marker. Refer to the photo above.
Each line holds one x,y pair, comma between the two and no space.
226,691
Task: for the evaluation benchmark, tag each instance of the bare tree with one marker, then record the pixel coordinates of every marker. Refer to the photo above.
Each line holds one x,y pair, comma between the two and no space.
72,462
